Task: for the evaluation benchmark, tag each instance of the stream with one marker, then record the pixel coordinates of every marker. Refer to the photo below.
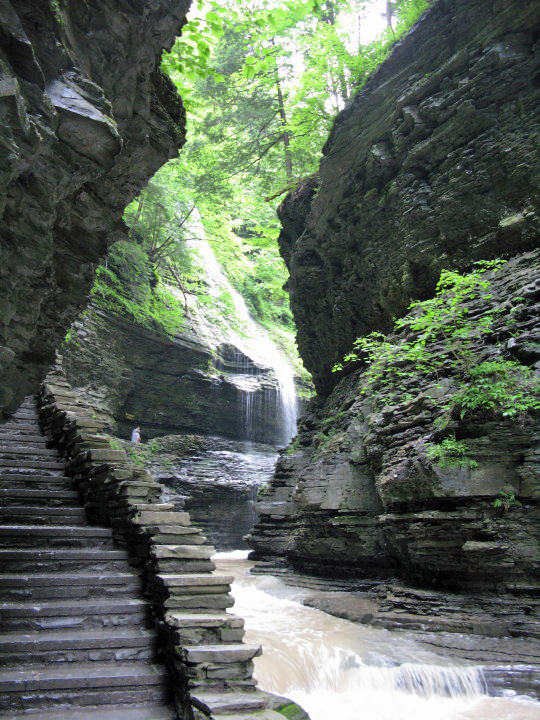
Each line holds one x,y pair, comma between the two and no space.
336,669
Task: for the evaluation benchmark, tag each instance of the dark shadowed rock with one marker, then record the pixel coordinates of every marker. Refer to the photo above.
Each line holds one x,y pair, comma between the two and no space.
188,384
87,118
433,164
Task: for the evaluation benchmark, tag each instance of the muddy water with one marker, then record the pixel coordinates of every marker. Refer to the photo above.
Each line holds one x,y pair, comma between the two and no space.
337,669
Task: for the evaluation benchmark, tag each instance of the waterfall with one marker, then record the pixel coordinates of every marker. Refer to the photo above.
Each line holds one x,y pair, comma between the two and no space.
337,669
253,343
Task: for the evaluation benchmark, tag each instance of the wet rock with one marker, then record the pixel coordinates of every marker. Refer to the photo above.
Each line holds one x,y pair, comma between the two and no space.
356,495
214,479
87,119
189,384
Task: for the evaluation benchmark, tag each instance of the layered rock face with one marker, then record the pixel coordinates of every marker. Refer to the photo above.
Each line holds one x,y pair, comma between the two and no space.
214,479
131,376
433,164
87,119
358,495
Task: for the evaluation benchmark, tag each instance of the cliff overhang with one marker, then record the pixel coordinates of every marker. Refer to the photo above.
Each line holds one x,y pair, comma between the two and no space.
87,118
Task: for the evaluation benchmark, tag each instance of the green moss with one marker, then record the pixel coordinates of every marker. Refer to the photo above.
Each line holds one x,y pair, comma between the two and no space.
291,711
127,286
57,11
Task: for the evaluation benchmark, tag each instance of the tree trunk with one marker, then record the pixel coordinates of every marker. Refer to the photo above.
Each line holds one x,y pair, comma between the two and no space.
329,16
137,215
389,13
286,137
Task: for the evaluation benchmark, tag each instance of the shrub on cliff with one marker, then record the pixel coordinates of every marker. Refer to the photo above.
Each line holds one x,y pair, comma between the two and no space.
444,337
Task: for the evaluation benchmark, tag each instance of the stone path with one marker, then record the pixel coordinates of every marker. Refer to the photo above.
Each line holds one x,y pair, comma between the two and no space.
75,639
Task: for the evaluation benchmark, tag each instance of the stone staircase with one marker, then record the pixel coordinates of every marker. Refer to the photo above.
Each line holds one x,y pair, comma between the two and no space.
75,637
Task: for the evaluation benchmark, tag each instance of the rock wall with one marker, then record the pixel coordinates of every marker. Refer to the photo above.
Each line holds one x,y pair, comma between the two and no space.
131,376
433,164
213,479
87,118
357,494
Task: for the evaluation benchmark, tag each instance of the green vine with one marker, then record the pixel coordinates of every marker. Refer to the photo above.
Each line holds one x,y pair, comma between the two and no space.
506,500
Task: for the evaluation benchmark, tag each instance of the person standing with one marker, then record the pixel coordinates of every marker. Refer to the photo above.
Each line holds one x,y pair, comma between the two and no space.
136,435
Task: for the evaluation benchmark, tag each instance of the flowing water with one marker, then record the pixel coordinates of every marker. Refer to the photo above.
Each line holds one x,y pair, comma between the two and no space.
253,343
337,669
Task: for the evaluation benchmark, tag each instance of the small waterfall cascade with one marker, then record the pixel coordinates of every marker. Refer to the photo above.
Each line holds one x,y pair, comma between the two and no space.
337,669
255,351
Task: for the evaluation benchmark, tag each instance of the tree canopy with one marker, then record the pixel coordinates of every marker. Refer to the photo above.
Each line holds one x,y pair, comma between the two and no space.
262,82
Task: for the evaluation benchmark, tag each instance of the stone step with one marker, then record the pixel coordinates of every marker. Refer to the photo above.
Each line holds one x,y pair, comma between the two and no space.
48,586
28,401
12,464
106,712
26,481
203,602
15,450
24,412
49,498
253,715
63,559
29,616
182,552
47,537
228,702
19,431
16,514
27,405
23,425
105,645
205,628
219,654
58,685
22,440
181,620
189,582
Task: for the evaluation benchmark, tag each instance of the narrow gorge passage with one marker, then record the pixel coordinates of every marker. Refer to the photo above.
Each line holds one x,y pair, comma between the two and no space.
334,668
321,318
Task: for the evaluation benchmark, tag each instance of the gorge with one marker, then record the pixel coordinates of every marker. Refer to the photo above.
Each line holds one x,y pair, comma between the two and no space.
405,505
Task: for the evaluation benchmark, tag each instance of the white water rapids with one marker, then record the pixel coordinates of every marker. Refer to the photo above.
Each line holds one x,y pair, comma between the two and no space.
336,669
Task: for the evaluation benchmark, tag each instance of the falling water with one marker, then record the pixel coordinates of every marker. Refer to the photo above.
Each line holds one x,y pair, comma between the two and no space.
254,345
337,669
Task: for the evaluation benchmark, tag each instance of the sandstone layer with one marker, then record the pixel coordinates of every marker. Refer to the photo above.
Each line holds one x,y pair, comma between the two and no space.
433,164
87,119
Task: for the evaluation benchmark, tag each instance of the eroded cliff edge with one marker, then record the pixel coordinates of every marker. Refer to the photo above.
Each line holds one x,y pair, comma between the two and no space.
433,165
87,119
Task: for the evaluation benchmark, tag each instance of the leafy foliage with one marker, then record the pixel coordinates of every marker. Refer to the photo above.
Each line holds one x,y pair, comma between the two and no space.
126,286
504,387
445,318
506,500
262,83
442,338
450,452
